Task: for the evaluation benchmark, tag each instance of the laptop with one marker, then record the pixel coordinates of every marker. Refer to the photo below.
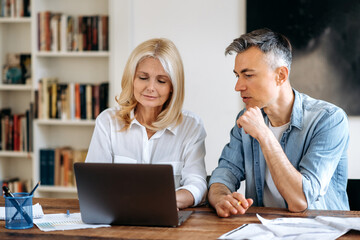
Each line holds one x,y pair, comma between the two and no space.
128,194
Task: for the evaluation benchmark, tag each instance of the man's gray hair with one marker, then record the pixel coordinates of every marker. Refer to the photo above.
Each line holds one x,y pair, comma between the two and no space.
275,45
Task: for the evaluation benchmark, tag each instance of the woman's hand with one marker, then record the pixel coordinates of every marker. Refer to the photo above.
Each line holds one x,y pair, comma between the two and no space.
184,199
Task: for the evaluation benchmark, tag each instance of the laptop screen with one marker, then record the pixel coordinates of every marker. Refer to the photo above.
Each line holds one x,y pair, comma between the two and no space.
126,194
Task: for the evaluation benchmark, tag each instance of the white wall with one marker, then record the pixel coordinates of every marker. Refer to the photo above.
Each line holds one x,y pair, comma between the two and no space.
201,30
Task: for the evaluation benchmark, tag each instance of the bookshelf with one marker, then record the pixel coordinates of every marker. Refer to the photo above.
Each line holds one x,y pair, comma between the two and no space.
83,67
21,35
15,20
15,39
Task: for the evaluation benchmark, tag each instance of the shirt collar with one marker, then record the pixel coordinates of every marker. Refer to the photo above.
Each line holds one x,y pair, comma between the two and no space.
296,118
173,129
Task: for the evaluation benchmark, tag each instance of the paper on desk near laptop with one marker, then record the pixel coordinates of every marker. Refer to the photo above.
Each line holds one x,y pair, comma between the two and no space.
36,211
321,227
61,221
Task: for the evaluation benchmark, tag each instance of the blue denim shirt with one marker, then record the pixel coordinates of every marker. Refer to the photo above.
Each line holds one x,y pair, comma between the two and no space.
315,143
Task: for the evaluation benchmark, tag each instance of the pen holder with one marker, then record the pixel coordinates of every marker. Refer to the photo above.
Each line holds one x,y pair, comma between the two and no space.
18,211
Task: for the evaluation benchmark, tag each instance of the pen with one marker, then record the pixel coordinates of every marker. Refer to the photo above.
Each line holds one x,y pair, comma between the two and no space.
31,193
17,205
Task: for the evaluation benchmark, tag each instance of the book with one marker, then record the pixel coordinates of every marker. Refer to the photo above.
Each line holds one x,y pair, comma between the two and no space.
50,166
72,102
104,96
47,166
43,167
53,91
82,93
57,167
55,31
30,127
67,167
58,31
45,102
3,113
77,101
63,32
88,102
16,132
96,100
23,134
15,8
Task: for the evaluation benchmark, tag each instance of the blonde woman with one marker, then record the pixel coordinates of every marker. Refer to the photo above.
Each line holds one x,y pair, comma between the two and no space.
149,125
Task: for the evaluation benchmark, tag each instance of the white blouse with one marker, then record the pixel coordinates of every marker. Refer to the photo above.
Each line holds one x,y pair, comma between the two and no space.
182,146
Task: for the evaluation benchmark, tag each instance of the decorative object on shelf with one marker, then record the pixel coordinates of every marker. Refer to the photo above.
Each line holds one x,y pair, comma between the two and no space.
17,69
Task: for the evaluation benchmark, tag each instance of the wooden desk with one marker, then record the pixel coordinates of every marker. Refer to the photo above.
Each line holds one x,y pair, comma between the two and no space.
203,224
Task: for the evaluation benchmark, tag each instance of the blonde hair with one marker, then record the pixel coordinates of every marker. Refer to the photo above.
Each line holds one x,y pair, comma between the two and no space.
166,52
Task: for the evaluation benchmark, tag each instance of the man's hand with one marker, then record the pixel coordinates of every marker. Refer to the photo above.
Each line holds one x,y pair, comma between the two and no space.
227,203
252,121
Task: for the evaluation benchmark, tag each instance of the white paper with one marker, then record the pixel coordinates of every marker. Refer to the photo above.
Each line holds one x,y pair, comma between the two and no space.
37,212
301,228
320,228
249,231
344,223
61,221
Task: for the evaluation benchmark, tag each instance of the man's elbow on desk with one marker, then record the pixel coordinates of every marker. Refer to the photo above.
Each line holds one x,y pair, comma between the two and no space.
299,206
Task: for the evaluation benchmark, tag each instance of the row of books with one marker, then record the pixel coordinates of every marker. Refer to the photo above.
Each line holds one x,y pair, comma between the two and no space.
17,69
16,185
62,32
15,8
16,130
56,165
70,101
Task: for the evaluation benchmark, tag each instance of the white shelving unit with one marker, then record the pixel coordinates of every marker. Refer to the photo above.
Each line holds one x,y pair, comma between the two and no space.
13,87
15,19
15,38
72,54
67,67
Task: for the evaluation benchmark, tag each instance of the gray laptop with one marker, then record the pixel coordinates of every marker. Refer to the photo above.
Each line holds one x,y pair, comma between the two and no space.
128,194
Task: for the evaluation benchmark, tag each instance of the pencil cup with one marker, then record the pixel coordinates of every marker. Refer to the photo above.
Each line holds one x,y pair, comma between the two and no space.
18,211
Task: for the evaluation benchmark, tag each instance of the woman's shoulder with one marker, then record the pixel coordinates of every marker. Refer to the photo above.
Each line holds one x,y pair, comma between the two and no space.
109,114
189,116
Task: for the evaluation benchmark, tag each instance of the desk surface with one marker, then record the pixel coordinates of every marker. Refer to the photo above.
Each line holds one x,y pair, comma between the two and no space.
203,224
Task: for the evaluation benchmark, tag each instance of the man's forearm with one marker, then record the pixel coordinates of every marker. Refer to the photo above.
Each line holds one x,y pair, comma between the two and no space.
286,177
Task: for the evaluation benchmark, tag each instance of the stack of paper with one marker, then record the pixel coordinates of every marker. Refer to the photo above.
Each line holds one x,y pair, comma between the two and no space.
62,221
37,212
320,228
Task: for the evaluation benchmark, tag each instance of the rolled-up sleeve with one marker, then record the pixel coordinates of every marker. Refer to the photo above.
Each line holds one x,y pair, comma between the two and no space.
230,170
